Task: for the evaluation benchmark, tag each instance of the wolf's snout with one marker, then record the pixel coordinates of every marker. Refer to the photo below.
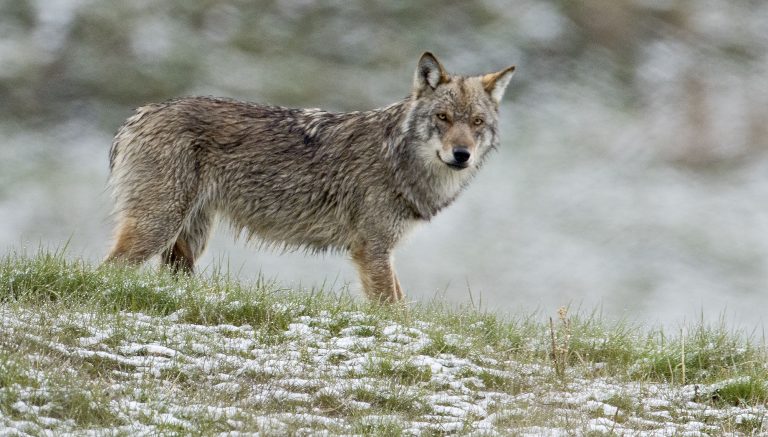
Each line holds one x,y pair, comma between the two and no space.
461,154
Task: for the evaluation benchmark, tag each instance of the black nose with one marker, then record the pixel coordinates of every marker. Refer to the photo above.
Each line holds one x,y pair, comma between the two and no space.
461,154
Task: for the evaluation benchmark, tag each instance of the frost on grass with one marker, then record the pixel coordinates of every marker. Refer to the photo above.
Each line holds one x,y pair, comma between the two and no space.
137,374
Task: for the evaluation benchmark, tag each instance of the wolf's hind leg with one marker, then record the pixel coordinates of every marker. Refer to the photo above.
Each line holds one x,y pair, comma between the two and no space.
179,257
139,239
190,244
156,187
376,273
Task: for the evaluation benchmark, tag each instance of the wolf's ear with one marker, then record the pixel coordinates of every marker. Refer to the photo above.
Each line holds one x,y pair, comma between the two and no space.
429,74
496,83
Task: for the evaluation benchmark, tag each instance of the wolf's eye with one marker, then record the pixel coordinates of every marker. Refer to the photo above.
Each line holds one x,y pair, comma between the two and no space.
478,121
442,116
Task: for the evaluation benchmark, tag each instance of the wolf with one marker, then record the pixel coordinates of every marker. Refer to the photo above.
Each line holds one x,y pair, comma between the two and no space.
352,182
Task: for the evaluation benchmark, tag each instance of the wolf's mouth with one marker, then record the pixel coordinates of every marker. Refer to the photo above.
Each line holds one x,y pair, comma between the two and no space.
457,166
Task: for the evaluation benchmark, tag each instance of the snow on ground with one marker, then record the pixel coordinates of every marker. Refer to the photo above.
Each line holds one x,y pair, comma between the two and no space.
155,374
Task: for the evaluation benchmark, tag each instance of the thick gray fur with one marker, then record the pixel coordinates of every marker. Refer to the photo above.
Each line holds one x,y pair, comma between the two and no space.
301,178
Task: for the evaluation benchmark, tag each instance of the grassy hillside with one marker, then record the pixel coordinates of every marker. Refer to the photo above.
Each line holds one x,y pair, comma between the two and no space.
131,352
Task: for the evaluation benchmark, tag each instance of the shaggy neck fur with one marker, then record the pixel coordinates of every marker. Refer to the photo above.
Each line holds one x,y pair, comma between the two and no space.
413,162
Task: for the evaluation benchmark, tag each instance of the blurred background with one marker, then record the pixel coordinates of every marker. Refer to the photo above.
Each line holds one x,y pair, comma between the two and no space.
632,177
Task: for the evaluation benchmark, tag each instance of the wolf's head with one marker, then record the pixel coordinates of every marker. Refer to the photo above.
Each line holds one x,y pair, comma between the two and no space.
455,118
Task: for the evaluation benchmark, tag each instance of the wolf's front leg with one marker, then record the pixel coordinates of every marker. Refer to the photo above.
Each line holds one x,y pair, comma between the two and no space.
376,273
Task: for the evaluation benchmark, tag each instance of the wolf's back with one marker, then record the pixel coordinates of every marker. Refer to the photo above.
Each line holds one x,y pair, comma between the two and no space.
293,177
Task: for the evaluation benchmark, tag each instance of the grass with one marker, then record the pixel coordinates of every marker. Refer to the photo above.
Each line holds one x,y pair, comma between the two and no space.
744,391
138,350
